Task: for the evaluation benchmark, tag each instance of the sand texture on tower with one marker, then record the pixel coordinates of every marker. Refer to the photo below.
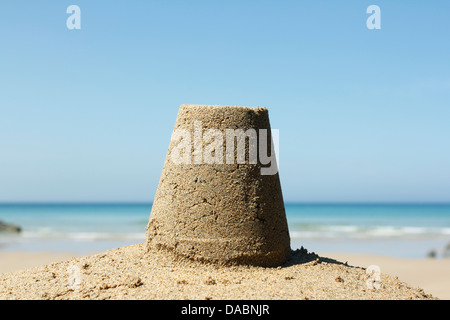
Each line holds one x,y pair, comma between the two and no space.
221,213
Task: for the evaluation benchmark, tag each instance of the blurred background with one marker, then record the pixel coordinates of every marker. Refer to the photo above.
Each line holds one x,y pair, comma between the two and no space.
363,116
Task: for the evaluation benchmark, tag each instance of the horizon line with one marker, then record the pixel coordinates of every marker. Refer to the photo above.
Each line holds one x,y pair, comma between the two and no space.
286,202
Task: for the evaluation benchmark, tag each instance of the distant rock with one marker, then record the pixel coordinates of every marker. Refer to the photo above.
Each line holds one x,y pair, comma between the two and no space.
5,227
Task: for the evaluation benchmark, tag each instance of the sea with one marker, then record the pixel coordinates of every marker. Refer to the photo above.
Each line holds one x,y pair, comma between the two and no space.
397,230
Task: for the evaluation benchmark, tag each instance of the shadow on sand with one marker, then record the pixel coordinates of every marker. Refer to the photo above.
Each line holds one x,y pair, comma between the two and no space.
302,256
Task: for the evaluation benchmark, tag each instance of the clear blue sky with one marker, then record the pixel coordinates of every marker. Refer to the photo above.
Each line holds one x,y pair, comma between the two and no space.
364,115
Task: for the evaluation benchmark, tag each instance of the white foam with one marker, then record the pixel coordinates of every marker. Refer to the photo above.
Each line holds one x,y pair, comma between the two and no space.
367,232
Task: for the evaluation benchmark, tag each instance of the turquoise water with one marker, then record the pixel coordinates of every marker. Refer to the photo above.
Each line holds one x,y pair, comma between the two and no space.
399,230
402,230
78,228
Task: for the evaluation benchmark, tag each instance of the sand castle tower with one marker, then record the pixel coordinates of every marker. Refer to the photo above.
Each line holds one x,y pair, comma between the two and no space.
213,203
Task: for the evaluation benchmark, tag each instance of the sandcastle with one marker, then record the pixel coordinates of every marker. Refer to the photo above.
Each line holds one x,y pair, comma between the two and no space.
212,203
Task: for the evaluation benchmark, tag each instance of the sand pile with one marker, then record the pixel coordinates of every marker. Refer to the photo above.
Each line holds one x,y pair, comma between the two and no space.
134,273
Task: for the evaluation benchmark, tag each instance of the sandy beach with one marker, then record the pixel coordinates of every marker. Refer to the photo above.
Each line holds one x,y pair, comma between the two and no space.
132,273
432,275
21,260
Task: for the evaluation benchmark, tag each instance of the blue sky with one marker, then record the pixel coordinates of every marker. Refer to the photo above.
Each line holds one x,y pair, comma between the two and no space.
364,115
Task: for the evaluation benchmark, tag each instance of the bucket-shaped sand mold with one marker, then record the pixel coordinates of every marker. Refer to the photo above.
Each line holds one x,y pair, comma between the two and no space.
216,201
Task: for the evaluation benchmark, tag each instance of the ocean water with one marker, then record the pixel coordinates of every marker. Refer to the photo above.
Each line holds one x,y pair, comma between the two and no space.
401,230
398,230
77,228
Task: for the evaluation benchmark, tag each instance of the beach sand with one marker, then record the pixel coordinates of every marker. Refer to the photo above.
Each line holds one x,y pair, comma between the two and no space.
131,273
432,275
15,261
